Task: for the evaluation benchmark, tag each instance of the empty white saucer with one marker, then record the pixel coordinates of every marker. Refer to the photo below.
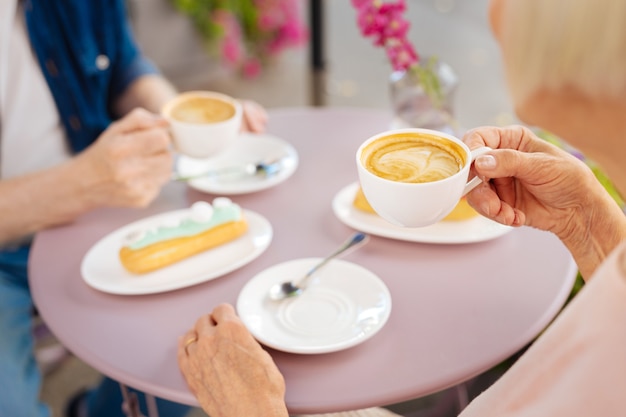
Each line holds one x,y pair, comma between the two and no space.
344,305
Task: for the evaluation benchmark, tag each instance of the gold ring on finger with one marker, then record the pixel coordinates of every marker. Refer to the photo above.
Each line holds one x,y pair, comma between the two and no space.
189,342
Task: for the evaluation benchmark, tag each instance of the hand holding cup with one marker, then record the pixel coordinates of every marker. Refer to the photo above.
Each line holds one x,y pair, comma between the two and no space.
415,177
203,123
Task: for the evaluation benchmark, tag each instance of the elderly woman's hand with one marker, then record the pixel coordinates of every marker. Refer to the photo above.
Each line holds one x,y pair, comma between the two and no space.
227,370
528,181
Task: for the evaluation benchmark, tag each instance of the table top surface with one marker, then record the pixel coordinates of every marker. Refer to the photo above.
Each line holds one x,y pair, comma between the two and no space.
457,309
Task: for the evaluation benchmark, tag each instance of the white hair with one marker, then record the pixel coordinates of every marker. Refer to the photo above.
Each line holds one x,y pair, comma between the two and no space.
552,44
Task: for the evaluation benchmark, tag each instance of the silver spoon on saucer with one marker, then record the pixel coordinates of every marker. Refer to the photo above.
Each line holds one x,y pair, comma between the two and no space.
288,289
266,168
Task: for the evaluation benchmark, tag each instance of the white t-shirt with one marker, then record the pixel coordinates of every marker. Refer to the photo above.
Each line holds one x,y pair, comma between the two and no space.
31,134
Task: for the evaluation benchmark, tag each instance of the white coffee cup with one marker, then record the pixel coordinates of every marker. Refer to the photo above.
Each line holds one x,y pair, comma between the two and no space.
415,204
203,123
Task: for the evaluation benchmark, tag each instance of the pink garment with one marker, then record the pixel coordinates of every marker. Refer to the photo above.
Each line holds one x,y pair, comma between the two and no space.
578,366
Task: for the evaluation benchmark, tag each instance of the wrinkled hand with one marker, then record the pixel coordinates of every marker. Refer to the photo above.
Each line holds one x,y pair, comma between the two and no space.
529,181
129,162
254,117
227,370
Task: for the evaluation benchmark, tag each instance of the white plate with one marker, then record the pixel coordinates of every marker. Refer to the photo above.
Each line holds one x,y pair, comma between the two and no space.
102,269
476,229
249,148
344,305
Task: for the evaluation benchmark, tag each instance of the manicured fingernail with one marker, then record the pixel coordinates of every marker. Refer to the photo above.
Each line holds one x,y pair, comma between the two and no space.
486,162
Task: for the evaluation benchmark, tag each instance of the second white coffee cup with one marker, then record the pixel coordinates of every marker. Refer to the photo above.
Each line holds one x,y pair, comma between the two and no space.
203,123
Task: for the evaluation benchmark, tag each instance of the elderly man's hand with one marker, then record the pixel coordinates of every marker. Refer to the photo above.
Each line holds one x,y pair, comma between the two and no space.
254,117
129,163
227,370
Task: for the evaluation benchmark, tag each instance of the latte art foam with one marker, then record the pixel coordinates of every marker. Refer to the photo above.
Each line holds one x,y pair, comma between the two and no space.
413,158
203,110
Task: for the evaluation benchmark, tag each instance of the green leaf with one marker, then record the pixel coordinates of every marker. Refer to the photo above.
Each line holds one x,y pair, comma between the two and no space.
428,78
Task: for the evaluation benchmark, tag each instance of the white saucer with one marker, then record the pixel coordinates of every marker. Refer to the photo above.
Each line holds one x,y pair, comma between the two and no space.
249,148
102,269
344,305
476,229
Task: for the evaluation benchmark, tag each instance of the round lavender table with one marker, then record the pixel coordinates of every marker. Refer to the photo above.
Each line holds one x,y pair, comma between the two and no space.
457,309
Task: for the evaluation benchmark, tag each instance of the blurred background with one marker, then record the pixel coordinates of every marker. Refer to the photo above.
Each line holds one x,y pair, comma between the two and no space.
357,74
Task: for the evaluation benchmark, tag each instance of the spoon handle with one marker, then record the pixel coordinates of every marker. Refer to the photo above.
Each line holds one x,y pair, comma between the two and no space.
354,240
268,168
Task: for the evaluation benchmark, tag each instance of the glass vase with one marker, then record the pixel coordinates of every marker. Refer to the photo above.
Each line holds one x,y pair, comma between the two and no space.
414,106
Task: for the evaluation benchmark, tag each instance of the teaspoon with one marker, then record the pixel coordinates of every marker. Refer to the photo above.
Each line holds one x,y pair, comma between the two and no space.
287,289
250,169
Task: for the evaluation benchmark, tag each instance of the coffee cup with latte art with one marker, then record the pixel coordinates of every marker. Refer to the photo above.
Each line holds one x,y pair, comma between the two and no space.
415,177
203,123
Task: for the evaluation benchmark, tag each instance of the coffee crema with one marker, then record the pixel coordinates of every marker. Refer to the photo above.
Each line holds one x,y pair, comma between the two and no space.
413,157
202,110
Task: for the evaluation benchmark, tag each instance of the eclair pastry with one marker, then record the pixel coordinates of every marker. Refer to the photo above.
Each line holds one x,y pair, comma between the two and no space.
205,227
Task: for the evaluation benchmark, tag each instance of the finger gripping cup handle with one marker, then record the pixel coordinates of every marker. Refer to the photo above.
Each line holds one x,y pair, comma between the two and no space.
475,182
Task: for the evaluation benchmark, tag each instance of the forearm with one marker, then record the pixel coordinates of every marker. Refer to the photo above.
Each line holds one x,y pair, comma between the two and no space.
150,92
594,234
41,200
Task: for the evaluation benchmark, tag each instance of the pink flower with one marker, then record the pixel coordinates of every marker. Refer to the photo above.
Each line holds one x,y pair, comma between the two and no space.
267,22
359,3
251,68
246,32
383,21
401,54
397,26
391,8
231,51
230,47
370,21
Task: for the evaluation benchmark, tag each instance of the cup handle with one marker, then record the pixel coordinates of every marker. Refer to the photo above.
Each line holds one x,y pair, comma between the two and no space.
475,182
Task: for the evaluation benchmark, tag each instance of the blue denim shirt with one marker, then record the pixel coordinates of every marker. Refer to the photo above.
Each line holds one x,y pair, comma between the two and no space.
88,57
